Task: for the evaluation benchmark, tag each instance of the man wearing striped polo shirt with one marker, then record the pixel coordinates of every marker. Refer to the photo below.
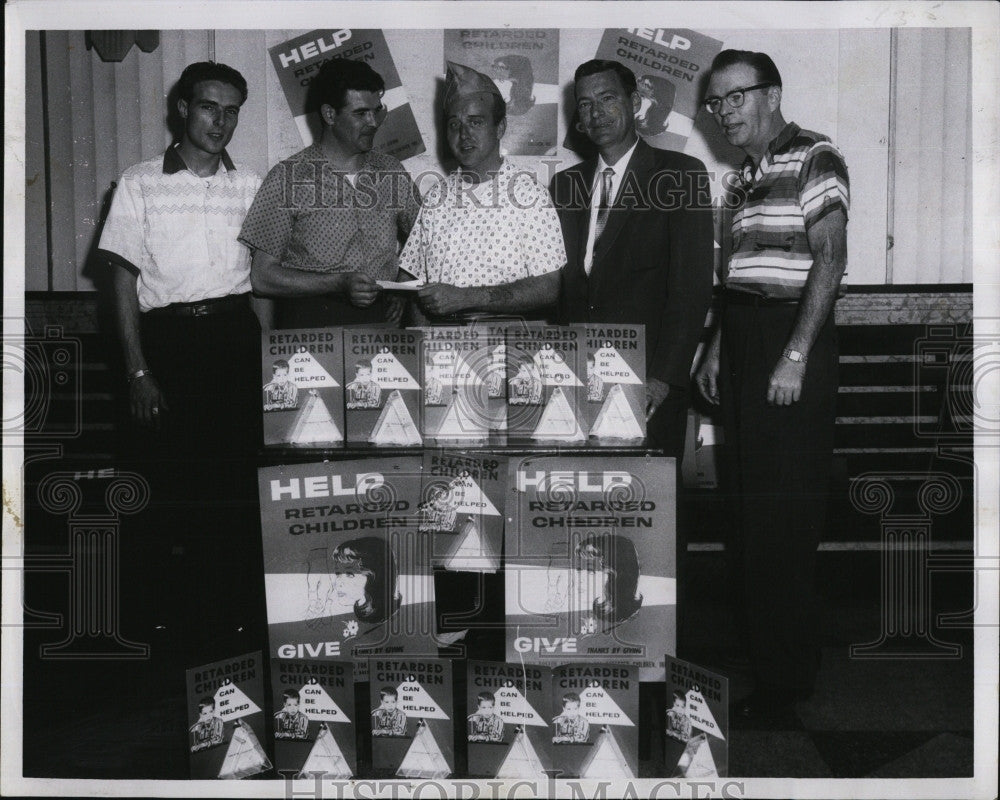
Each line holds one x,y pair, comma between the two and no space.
772,366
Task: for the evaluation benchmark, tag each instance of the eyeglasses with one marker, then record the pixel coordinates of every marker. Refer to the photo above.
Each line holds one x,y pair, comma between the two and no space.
734,99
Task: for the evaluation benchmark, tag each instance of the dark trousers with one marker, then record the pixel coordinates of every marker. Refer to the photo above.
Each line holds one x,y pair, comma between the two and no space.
201,467
778,462
666,428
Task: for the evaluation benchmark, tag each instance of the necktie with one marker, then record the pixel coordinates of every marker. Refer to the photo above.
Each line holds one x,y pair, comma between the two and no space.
605,203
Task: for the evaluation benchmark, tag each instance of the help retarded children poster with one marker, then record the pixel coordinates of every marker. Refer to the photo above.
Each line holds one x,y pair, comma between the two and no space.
590,562
346,573
298,60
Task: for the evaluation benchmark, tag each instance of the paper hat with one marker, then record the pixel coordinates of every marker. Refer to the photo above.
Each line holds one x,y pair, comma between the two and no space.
463,81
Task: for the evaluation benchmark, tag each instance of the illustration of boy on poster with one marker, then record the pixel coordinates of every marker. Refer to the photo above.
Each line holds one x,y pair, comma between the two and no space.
678,721
595,386
207,731
485,725
387,719
571,727
526,386
281,393
363,391
438,513
290,723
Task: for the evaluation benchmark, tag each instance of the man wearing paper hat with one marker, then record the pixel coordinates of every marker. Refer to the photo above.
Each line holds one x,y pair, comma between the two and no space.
327,221
487,238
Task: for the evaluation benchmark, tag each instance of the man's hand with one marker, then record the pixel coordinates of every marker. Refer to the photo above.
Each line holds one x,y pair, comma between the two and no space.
656,393
360,289
441,299
785,384
147,402
395,306
707,375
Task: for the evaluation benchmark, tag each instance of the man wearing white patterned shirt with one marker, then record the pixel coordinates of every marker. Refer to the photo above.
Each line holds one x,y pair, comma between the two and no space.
191,340
487,238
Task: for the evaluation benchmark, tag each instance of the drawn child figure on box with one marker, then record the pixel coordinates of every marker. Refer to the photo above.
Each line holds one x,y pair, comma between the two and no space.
290,723
207,731
496,372
571,727
439,513
387,720
363,391
280,393
595,384
678,721
526,386
485,725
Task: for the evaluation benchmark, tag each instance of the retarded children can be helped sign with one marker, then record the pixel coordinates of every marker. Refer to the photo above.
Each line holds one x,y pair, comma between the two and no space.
590,562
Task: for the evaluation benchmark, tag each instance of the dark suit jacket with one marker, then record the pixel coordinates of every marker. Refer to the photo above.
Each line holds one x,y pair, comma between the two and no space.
653,262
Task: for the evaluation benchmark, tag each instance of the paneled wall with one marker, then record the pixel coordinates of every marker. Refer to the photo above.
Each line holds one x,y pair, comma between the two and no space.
895,102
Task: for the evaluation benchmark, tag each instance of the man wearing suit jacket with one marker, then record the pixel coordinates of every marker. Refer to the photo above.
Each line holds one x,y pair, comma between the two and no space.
637,225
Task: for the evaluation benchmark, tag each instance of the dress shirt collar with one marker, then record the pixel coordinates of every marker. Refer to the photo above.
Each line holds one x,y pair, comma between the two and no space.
173,163
619,166
751,174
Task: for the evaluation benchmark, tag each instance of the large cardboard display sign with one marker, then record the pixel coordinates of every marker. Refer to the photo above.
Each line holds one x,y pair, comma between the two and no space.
411,717
595,709
507,725
303,389
297,61
313,725
524,65
384,376
226,700
462,501
346,573
697,730
590,561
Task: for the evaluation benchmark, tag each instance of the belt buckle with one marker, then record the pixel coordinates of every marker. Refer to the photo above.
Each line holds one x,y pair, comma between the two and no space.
200,310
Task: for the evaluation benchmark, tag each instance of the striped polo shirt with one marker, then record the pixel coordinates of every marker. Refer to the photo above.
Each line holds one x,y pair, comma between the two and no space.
800,180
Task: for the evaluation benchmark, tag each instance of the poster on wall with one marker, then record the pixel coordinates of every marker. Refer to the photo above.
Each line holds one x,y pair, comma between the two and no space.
298,60
346,573
669,65
303,387
524,64
226,713
314,719
590,562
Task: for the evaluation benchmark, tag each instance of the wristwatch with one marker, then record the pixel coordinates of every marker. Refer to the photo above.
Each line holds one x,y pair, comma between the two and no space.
139,373
794,355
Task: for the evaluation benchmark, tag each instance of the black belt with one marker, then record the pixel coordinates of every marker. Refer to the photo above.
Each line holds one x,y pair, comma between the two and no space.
739,298
203,308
